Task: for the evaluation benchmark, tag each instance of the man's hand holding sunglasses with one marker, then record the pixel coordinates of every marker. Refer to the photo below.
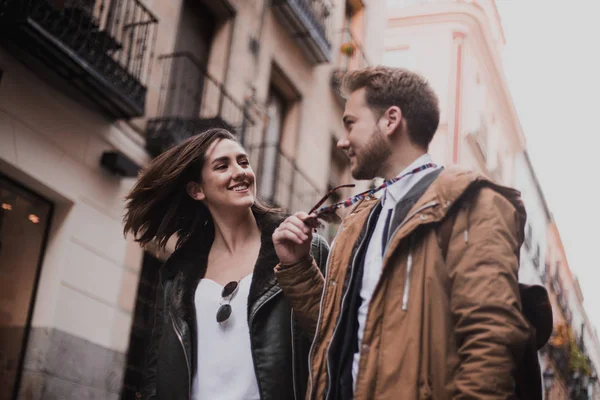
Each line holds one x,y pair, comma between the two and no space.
292,239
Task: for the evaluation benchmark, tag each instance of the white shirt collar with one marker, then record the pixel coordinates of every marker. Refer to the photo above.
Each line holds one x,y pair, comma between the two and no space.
394,190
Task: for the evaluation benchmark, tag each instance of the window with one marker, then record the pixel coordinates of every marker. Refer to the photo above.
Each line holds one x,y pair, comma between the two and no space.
24,222
195,34
528,236
277,177
536,256
338,175
270,147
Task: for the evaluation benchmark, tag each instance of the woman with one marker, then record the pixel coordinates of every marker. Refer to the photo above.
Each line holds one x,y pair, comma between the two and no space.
222,328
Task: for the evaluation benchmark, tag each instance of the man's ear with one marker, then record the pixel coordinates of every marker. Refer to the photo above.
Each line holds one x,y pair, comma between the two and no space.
194,189
392,119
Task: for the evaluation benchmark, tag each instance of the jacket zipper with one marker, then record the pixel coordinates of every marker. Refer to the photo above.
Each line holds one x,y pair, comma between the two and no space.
252,343
407,281
341,306
409,262
187,361
405,301
293,353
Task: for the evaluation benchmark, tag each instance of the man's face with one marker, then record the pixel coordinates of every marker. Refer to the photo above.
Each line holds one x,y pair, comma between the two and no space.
364,142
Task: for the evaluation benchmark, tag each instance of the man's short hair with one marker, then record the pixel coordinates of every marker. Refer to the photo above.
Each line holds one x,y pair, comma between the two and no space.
386,87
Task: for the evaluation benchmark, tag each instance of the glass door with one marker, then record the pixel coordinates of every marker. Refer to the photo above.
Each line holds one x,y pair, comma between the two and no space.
24,221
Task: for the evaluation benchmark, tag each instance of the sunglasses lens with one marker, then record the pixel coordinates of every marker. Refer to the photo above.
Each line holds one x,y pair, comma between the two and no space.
229,289
223,313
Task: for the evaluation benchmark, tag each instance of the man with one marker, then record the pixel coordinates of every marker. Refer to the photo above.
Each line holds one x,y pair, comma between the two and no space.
397,316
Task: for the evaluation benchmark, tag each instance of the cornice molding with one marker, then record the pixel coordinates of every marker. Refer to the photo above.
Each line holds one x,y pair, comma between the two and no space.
470,20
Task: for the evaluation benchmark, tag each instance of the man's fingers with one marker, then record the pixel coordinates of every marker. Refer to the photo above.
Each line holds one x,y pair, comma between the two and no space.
301,215
291,236
300,232
297,222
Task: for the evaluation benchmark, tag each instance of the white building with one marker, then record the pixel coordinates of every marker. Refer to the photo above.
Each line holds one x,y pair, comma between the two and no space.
533,251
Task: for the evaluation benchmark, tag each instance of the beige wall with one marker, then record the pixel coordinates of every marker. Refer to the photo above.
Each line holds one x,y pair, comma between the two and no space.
52,143
457,47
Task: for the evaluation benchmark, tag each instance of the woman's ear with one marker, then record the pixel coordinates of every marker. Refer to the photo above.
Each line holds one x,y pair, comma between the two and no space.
194,189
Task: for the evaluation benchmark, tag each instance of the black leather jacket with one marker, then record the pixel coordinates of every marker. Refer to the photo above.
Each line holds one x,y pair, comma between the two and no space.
279,348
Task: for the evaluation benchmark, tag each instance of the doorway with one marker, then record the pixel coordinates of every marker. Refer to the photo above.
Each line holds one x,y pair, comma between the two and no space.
24,225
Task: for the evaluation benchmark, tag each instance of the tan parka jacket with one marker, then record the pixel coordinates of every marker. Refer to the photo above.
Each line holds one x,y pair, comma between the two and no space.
436,329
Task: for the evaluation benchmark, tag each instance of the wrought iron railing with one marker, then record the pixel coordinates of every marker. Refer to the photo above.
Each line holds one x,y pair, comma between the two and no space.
311,24
113,39
556,283
545,273
320,13
536,257
352,55
528,236
560,356
279,179
191,101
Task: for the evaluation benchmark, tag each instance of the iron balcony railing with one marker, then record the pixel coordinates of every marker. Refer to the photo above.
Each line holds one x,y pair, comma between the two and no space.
279,179
309,23
560,356
351,57
104,47
536,257
191,101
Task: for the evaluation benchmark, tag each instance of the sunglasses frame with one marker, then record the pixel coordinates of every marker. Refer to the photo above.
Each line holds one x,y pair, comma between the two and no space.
225,296
328,195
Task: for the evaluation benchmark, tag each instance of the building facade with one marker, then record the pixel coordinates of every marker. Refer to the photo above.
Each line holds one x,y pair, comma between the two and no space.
90,91
457,45
533,251
572,354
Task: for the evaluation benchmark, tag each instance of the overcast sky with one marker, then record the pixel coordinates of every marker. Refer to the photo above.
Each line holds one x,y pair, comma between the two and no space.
552,63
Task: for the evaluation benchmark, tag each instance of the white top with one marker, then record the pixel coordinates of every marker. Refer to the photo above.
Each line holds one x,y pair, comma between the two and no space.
225,370
373,259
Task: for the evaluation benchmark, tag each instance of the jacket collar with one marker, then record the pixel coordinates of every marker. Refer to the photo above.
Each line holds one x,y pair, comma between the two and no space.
187,265
451,184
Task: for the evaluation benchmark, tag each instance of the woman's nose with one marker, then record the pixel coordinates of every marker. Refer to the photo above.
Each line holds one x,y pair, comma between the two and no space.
239,173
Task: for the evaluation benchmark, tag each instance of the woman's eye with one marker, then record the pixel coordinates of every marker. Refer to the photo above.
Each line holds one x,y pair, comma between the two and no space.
244,163
222,167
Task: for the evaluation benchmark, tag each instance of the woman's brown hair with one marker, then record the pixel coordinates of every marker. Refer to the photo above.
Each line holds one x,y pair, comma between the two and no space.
159,206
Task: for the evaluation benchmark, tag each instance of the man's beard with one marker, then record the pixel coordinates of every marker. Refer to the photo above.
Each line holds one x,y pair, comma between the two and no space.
372,157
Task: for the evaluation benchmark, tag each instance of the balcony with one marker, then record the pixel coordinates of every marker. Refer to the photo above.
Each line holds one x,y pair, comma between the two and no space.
560,356
556,284
102,47
536,257
280,181
191,101
309,24
528,236
350,58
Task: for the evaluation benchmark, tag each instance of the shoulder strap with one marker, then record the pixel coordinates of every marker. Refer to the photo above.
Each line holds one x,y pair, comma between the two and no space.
445,232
